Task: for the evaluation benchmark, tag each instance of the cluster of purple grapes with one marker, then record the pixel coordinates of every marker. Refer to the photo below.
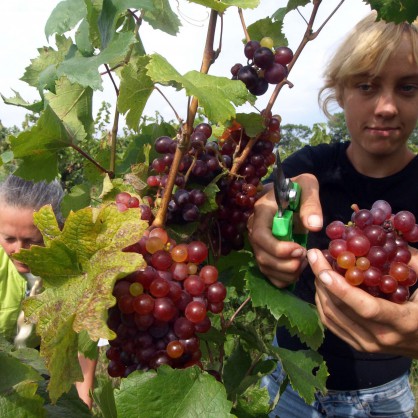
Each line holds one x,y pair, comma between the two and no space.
237,197
372,251
202,163
199,165
162,308
264,66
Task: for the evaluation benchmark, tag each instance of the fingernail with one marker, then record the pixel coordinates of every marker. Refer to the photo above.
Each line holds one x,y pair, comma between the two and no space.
312,257
315,221
297,253
325,278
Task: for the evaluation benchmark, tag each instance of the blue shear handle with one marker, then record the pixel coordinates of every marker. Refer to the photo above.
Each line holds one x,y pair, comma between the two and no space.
282,229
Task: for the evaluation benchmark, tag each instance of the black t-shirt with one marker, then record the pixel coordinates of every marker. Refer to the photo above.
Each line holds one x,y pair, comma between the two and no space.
340,186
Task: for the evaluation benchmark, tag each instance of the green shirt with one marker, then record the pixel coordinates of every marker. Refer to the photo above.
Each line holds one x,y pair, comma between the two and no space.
12,292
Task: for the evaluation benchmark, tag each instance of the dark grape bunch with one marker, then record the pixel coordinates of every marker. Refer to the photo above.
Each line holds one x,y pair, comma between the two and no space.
199,165
372,250
237,196
162,308
205,161
265,65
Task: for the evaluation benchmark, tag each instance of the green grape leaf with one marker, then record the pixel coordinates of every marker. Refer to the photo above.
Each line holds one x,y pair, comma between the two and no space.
217,106
294,4
84,70
73,104
17,100
103,396
162,17
395,10
34,73
251,122
77,198
38,147
270,28
65,16
236,370
255,402
210,204
300,317
22,402
221,6
14,371
110,13
189,393
300,367
79,268
135,89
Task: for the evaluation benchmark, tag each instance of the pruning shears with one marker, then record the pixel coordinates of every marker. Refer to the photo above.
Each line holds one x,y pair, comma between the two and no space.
287,195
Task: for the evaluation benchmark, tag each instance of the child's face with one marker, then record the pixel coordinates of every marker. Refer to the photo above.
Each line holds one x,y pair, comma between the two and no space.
18,231
381,112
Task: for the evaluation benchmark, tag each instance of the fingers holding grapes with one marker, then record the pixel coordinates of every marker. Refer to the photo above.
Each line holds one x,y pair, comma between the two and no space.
365,322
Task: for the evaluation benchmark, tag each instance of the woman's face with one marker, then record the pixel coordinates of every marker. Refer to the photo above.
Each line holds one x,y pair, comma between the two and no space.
18,231
382,111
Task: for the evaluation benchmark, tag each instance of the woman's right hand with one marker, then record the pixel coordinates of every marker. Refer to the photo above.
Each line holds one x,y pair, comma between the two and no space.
283,261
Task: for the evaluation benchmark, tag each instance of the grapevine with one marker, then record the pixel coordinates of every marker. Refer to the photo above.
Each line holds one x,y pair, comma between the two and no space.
153,254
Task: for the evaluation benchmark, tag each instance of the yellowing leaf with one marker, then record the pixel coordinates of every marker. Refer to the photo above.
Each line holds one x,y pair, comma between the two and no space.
79,267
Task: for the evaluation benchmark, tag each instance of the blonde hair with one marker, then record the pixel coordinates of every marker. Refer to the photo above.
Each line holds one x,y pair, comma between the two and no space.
365,51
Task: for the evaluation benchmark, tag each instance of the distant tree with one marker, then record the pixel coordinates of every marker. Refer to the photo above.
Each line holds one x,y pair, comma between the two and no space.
338,128
293,137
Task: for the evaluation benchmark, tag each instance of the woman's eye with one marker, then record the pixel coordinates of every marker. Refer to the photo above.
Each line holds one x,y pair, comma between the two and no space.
409,88
365,87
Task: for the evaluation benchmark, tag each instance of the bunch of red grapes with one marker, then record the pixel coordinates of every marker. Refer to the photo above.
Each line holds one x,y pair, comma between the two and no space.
372,250
237,196
206,160
265,66
162,308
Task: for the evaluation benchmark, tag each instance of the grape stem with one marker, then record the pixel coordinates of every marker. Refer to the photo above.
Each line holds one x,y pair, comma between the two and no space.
208,59
244,26
309,35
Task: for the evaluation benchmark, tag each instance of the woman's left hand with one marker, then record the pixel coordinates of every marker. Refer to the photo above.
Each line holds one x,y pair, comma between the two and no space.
367,323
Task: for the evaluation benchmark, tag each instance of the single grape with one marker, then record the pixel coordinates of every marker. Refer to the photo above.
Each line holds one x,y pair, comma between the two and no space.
250,48
404,221
267,42
263,58
275,73
283,55
248,76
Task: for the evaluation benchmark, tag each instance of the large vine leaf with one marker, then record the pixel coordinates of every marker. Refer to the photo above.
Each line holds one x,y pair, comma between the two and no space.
218,105
111,10
221,6
48,59
306,370
79,267
298,316
162,17
73,105
38,147
65,16
22,402
17,100
84,70
395,10
188,393
135,89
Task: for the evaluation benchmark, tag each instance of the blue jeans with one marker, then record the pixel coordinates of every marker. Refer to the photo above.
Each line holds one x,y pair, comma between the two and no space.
393,399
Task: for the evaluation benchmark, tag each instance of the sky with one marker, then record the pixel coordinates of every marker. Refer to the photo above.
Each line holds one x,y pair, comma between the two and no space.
22,25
